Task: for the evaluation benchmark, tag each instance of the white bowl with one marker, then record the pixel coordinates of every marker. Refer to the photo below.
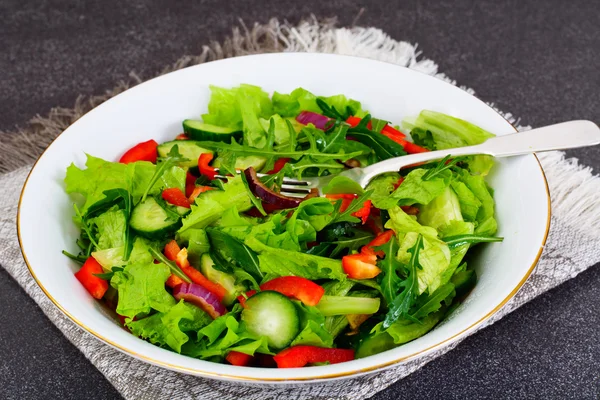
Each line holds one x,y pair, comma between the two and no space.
155,110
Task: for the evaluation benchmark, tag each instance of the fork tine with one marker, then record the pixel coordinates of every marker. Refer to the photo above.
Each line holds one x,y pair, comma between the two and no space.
295,195
286,181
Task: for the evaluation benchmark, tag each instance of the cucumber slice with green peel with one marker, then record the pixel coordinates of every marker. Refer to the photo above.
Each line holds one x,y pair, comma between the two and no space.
207,267
198,130
189,149
272,315
257,162
150,220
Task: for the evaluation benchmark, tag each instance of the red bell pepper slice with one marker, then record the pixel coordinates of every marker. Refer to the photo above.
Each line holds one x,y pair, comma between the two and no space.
198,190
204,167
361,266
190,183
182,136
362,213
297,288
397,184
176,197
145,151
279,164
180,256
380,240
299,356
239,359
86,275
354,121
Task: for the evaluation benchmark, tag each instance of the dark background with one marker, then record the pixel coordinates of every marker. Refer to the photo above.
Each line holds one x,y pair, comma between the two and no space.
536,59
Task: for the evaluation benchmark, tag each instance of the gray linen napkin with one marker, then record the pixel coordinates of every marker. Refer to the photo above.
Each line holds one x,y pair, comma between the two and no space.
571,248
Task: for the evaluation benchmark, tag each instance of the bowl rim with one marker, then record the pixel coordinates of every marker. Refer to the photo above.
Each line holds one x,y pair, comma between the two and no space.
321,378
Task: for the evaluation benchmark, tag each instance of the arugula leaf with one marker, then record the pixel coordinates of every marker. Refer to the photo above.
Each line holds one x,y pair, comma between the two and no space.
399,307
430,303
383,146
296,154
173,158
175,270
85,226
443,165
459,240
210,206
346,215
389,279
141,288
108,275
336,246
255,200
235,252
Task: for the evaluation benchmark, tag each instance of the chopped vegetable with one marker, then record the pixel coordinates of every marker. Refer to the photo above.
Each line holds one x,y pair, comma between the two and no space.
296,287
299,356
92,283
145,151
254,278
204,167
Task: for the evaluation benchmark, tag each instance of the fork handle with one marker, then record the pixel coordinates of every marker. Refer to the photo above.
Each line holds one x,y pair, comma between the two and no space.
566,135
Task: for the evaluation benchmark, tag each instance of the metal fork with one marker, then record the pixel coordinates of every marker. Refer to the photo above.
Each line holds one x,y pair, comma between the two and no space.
566,135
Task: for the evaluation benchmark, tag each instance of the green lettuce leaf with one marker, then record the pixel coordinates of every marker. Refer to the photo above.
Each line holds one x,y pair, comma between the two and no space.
401,223
448,132
434,260
276,262
210,206
415,190
101,175
313,331
457,253
486,223
282,133
111,229
441,210
381,187
113,257
290,105
240,108
168,328
141,288
469,204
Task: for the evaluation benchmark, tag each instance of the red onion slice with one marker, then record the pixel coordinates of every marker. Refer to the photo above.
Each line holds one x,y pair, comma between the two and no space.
277,201
199,296
309,117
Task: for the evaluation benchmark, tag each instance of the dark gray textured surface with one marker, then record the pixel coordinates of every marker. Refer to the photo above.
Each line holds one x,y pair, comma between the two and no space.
538,61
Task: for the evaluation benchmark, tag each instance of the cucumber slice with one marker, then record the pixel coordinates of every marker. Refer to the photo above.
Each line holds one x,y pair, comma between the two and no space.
257,162
272,315
150,220
187,148
198,130
222,278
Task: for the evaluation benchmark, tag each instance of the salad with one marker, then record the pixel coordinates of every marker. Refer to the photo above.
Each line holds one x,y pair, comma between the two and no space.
195,247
